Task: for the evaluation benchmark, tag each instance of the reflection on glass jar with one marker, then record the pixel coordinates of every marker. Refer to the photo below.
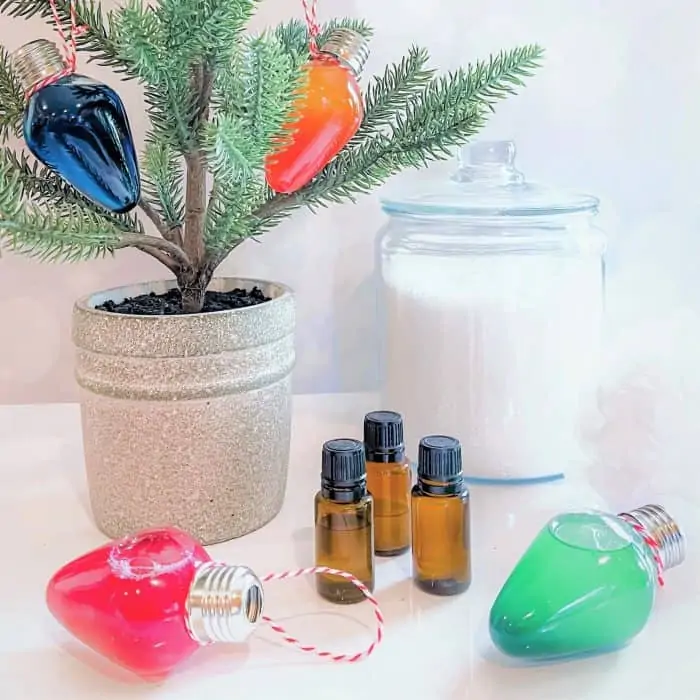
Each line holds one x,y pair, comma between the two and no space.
492,303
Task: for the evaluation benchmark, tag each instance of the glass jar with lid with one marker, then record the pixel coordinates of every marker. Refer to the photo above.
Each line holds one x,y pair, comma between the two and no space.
491,312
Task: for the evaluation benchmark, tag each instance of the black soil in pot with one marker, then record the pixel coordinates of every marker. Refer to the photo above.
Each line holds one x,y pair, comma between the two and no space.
170,302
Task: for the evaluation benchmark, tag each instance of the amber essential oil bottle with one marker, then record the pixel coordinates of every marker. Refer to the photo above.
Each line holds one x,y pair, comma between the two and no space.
389,482
440,519
343,512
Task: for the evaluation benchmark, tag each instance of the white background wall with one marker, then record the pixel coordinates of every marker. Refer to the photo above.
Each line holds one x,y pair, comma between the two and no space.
615,111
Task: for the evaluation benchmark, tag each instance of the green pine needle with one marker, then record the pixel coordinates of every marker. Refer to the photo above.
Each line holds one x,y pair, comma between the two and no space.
100,39
162,181
264,80
218,96
255,95
447,111
11,100
294,35
231,150
359,26
141,44
66,233
207,29
139,41
45,188
388,94
229,215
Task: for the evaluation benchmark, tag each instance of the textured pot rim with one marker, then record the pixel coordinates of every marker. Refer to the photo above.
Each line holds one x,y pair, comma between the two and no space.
84,305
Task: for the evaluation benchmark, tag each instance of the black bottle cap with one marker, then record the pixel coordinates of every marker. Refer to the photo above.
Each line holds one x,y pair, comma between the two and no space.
383,432
439,458
343,461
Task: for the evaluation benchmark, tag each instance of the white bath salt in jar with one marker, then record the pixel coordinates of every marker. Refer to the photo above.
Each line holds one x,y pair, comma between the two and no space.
491,313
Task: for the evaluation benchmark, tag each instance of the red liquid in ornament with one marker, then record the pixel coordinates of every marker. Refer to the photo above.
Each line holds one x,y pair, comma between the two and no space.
126,600
327,115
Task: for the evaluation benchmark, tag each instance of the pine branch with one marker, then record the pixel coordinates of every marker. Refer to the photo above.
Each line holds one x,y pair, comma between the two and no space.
138,42
180,47
388,94
67,233
218,102
231,151
11,100
162,182
447,112
150,210
175,49
141,44
46,188
268,83
100,39
229,221
173,256
294,35
205,32
368,166
261,88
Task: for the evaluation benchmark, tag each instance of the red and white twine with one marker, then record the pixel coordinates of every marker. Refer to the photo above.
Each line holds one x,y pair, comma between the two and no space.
312,25
69,49
379,617
654,547
310,649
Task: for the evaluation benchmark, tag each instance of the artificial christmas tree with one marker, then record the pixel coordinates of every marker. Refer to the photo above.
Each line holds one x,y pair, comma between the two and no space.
202,400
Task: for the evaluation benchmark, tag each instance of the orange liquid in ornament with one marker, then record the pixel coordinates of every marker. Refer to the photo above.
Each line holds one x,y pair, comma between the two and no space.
327,115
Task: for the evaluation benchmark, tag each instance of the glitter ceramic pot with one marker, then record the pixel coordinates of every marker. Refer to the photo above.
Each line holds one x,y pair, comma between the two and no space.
186,418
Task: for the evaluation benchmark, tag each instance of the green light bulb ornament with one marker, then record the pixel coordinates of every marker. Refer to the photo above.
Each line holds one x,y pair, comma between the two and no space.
586,584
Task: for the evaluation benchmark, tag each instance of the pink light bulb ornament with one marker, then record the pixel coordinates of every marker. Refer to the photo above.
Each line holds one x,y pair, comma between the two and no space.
149,601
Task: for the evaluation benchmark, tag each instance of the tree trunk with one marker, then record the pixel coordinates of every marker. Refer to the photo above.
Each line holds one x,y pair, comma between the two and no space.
192,299
193,287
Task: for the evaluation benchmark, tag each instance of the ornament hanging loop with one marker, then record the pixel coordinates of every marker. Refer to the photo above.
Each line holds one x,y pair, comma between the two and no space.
310,649
312,26
68,45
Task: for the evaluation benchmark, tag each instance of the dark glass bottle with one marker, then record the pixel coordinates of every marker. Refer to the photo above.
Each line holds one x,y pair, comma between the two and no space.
78,128
441,519
389,482
344,535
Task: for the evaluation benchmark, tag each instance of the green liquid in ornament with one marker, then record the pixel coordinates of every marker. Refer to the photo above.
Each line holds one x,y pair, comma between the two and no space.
585,585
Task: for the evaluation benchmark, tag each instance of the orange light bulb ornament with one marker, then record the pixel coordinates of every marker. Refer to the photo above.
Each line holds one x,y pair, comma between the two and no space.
325,116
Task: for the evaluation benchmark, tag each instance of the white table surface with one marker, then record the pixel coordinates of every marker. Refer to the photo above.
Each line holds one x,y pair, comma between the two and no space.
434,648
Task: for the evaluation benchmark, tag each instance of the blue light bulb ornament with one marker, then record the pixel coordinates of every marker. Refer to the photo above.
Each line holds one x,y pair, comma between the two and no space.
78,128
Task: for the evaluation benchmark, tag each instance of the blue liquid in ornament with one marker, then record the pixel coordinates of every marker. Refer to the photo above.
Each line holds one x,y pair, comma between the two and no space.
78,128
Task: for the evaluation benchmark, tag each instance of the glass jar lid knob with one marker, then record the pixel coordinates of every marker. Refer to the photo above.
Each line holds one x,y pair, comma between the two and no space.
488,162
486,184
